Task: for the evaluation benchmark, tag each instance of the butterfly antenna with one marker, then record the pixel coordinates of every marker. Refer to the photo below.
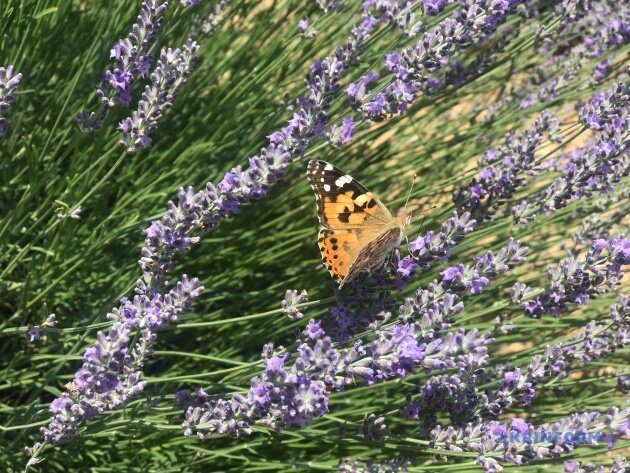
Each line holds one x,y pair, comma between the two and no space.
413,182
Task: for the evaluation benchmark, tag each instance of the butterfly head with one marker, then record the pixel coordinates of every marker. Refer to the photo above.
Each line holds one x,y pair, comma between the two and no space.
404,221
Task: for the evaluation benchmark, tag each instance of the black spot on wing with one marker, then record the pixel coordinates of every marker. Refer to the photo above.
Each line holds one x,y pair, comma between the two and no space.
322,176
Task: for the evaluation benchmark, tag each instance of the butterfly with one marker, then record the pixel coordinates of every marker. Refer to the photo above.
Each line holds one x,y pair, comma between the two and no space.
358,232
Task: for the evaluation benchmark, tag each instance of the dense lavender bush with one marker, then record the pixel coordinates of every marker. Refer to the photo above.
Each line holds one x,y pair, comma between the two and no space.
163,302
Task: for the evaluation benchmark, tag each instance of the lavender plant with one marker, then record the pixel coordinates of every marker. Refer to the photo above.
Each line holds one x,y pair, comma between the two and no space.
8,84
171,72
496,336
131,61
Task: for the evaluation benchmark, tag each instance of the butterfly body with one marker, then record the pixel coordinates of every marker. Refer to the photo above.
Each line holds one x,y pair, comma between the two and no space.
358,232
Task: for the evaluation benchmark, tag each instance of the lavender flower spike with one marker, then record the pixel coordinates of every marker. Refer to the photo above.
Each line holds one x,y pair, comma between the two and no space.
208,25
493,441
171,73
112,368
507,168
294,388
471,25
8,85
572,282
291,299
131,60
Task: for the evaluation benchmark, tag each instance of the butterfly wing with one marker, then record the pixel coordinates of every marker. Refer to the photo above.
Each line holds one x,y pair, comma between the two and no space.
358,230
342,202
373,254
347,253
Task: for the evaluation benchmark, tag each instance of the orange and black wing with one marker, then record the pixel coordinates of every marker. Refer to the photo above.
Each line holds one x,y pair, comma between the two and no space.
342,202
356,225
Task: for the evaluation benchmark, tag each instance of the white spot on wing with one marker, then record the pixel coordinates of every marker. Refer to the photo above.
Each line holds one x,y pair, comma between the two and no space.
343,180
326,187
329,167
362,199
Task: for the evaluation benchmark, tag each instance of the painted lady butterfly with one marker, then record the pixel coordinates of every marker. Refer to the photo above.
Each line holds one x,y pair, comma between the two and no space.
358,232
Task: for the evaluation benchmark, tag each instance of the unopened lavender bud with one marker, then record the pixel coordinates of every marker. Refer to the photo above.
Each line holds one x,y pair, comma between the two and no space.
8,85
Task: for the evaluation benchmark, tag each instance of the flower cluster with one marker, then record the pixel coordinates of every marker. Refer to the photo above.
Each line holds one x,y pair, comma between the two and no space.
131,61
328,5
112,368
289,305
598,164
296,394
458,394
111,372
8,84
571,282
431,247
433,308
602,31
470,26
607,111
305,29
506,168
282,396
560,70
549,440
601,339
207,25
619,465
172,71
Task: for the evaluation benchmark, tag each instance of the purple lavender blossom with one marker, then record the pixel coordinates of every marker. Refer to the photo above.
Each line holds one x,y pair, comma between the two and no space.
8,85
341,135
406,267
291,299
572,282
190,3
510,164
598,165
305,29
604,109
544,441
319,366
470,26
452,273
171,72
34,333
112,367
313,330
433,7
131,60
206,26
426,249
